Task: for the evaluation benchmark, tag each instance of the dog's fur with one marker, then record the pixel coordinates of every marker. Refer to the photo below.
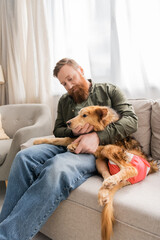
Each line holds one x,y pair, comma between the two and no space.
100,117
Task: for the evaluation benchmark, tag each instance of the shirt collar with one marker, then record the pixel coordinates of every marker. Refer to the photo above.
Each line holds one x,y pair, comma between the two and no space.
92,86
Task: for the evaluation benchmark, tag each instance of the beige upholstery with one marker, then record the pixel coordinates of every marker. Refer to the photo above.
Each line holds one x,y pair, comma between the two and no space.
3,135
137,213
21,122
155,121
143,108
137,207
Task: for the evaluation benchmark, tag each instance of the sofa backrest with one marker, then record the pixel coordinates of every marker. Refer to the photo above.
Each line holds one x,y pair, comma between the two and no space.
16,116
155,124
143,109
148,133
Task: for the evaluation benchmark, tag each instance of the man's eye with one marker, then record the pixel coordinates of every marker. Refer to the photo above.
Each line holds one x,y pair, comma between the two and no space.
84,115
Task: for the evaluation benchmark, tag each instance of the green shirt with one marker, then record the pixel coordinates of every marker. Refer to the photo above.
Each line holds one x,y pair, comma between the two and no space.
102,94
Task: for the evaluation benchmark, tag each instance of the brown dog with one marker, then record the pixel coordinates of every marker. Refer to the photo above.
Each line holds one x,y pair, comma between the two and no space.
119,153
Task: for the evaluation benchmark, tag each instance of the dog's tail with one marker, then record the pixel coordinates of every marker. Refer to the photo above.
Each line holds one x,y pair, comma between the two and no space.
107,220
108,212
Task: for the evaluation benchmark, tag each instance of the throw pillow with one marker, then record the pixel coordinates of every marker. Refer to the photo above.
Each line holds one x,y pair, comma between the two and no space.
3,135
143,108
155,124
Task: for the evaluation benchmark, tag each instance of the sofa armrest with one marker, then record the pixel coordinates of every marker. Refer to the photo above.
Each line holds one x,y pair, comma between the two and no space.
39,129
29,143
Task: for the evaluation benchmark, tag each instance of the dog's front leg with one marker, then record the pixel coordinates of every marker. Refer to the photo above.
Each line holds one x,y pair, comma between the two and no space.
55,141
72,147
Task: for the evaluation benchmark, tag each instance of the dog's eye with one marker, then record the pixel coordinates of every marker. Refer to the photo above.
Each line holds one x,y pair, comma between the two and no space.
84,115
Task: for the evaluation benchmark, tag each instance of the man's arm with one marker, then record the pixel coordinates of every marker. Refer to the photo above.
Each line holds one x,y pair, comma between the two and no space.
115,131
60,128
125,126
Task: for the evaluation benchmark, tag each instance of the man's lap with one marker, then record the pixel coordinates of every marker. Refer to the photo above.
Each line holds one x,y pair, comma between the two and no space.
44,152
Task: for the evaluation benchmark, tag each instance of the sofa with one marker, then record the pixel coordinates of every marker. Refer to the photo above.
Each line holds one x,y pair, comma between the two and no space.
136,207
20,122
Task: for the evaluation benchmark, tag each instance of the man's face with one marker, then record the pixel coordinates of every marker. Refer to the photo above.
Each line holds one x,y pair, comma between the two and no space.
74,82
69,77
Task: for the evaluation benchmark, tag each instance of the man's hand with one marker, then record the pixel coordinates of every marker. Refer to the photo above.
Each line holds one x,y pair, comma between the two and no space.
79,130
87,143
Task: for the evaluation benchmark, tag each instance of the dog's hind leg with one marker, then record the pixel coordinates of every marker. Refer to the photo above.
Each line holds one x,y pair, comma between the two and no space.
102,168
124,174
119,157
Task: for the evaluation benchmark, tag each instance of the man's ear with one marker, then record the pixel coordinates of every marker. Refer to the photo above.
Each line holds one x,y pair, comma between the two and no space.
102,112
80,69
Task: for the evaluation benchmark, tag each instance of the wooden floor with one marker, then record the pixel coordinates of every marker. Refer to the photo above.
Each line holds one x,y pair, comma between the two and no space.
39,236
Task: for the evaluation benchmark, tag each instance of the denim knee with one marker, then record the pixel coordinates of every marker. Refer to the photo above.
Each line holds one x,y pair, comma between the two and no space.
65,171
21,159
56,169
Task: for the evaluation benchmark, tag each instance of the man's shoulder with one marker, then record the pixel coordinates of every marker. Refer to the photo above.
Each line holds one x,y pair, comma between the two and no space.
104,86
64,97
65,101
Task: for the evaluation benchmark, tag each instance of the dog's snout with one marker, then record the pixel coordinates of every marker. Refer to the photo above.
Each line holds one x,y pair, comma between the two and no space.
69,123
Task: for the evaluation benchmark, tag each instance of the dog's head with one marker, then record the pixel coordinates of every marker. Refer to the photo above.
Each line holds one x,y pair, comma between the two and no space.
97,116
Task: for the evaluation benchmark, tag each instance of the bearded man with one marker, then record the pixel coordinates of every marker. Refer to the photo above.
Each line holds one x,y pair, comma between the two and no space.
44,175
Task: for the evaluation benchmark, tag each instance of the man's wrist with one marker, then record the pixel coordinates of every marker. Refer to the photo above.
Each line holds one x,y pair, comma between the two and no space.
96,135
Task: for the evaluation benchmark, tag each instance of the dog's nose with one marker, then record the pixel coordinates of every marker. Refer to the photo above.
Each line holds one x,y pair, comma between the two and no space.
69,123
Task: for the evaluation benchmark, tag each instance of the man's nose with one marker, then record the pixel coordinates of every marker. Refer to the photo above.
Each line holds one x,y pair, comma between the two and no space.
69,86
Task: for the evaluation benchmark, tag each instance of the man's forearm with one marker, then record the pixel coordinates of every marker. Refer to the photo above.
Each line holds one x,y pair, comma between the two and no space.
117,131
63,132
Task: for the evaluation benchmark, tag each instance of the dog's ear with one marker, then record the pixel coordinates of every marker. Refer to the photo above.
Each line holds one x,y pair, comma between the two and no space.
102,112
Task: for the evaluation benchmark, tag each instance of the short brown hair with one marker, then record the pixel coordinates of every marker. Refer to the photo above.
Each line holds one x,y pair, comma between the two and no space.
63,62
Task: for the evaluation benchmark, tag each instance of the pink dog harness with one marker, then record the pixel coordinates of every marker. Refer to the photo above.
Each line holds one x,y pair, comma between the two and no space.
139,163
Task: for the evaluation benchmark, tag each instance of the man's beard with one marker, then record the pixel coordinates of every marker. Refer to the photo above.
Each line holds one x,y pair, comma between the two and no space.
79,93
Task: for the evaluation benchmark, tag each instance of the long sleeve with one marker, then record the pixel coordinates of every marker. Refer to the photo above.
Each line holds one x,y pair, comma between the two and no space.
103,95
123,127
64,113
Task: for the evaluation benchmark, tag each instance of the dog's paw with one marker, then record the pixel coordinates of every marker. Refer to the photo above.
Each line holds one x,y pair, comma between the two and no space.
72,147
103,196
110,182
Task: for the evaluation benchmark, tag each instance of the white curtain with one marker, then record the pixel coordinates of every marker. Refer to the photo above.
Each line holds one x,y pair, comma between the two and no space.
81,30
135,47
35,34
27,55
26,47
114,41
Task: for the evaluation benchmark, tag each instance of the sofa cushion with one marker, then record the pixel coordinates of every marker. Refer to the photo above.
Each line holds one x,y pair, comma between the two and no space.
155,125
136,206
142,109
130,205
4,149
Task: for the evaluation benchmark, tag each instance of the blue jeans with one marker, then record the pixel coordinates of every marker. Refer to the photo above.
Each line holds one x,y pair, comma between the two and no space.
40,178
